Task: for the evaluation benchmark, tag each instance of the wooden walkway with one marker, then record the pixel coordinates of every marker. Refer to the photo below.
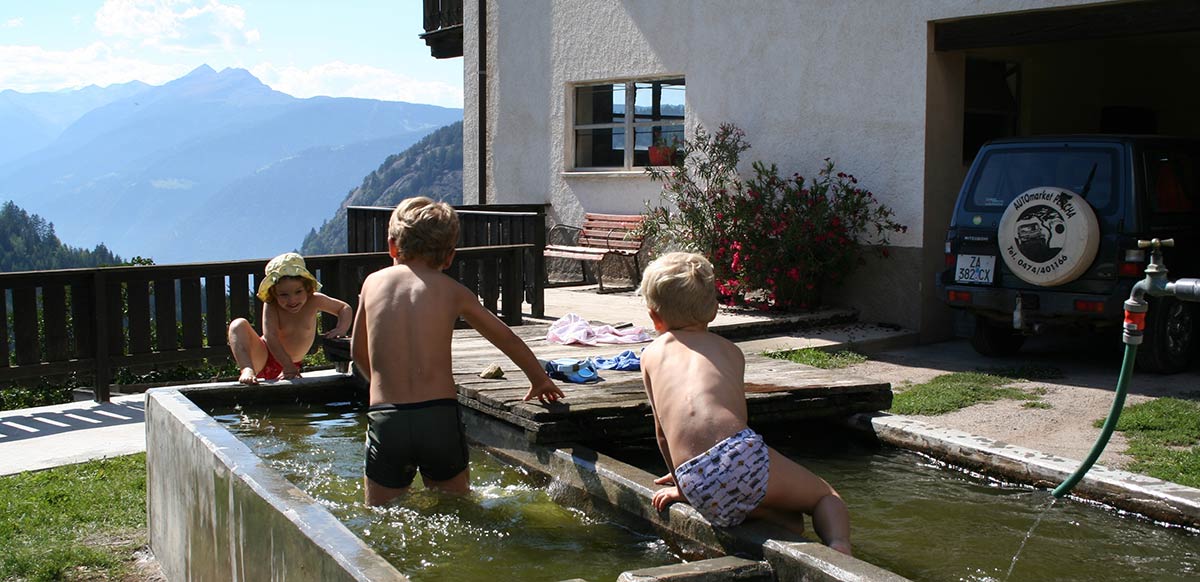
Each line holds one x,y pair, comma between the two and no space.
777,391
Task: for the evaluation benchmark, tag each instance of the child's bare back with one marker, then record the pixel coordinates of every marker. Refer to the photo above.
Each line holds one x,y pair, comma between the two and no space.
401,344
409,313
695,382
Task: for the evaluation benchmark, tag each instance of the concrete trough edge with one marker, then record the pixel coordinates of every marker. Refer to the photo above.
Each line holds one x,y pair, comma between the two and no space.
305,542
1157,499
590,480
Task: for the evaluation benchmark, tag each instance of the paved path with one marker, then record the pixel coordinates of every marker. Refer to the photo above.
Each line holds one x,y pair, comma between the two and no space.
49,436
40,438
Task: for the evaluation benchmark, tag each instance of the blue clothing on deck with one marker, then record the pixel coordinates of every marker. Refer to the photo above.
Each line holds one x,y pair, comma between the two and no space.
625,361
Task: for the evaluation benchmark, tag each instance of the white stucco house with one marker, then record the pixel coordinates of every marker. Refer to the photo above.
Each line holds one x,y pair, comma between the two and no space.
899,92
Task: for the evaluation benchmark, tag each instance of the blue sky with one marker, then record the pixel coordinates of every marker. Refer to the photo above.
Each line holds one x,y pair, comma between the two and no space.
339,48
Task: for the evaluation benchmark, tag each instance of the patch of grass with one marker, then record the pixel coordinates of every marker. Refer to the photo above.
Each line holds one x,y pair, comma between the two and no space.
78,522
950,392
1164,439
1037,404
818,358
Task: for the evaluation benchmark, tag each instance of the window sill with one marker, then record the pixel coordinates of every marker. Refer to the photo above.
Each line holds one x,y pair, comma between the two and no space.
638,173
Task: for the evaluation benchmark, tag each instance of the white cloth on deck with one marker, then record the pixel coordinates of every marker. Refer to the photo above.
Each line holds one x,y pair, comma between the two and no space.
572,329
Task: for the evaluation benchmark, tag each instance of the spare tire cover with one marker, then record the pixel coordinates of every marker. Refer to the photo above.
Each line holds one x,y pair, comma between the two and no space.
1048,236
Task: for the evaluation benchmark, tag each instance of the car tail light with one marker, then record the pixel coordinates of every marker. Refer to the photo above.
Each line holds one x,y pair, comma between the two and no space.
1088,306
1130,269
1133,264
959,296
950,259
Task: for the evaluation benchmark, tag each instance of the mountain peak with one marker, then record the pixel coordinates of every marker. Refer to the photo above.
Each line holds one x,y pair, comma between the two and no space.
201,72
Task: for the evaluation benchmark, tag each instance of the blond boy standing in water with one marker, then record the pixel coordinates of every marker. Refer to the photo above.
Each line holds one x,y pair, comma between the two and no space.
694,380
401,344
291,303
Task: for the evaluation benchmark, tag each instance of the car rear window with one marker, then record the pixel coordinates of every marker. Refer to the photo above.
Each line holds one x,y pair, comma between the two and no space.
1005,173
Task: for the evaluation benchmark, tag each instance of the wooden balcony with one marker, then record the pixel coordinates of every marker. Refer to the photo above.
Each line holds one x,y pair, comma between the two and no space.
444,28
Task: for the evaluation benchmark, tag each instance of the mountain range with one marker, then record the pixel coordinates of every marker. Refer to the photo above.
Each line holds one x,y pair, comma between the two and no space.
211,166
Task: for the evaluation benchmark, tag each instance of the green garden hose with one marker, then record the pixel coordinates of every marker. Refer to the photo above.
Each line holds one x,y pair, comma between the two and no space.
1110,423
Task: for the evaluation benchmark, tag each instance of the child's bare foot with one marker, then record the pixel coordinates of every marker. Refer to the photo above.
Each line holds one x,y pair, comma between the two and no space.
248,376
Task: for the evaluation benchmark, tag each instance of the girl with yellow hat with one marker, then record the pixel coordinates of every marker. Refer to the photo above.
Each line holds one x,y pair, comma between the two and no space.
291,302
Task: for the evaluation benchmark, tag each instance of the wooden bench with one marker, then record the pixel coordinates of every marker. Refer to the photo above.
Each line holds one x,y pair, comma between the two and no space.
600,236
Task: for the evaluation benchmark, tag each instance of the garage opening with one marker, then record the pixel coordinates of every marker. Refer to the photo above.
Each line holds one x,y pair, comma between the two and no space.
1128,67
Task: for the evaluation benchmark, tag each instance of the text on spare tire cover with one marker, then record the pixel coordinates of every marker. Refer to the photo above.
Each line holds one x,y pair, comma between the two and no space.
1047,235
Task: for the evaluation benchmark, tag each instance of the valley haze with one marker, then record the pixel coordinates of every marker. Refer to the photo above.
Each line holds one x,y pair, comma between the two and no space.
211,166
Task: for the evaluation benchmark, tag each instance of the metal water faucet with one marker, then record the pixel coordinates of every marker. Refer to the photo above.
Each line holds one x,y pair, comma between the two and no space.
1155,284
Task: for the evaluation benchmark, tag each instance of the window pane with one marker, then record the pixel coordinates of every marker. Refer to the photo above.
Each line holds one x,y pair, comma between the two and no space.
599,148
1170,178
600,104
655,100
644,137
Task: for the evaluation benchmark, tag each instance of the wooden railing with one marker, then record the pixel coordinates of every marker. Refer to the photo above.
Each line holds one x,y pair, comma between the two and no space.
479,225
92,321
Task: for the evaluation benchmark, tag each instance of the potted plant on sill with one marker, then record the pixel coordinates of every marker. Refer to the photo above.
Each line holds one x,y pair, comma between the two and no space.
662,152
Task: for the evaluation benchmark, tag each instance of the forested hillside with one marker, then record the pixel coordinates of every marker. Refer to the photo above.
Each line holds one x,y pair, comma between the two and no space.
432,167
28,243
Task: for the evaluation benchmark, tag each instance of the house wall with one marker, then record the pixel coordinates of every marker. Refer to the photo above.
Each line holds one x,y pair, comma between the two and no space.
857,82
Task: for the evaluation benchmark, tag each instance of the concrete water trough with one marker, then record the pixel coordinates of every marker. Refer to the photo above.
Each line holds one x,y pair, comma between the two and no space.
219,512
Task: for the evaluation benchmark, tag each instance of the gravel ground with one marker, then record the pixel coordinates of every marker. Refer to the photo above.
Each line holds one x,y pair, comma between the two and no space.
1083,394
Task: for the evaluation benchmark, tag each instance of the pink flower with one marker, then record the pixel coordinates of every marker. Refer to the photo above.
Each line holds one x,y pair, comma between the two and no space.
793,274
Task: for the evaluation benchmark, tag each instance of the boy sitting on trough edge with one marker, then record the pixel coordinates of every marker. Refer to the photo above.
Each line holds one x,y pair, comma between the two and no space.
694,380
401,344
289,320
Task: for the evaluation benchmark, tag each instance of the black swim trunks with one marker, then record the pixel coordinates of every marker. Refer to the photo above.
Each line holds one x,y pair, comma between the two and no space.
402,438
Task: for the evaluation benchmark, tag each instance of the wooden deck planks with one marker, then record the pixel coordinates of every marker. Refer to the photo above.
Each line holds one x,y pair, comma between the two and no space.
617,409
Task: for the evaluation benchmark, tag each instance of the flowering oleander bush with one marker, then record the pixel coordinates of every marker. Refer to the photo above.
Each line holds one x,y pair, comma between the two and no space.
775,241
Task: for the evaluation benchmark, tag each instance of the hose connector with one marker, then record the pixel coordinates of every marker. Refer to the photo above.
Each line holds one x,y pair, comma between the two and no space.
1135,321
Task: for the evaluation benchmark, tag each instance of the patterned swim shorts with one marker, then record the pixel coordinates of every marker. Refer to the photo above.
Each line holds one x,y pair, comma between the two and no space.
728,481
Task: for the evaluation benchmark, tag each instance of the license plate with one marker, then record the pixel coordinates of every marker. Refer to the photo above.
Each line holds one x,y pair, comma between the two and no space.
975,269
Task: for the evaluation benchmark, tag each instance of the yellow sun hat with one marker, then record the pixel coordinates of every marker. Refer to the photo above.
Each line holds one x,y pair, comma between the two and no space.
285,265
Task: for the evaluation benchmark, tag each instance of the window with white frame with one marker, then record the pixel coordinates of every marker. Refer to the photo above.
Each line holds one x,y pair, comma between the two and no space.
607,138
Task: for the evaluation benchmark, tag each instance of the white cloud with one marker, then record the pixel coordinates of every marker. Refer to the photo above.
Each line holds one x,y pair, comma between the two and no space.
176,25
172,184
363,81
13,23
31,69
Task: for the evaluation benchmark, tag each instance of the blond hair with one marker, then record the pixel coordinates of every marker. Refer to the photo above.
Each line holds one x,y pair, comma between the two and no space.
681,289
424,229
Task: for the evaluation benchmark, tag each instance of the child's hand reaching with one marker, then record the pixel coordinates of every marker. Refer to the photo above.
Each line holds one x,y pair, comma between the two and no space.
544,389
666,496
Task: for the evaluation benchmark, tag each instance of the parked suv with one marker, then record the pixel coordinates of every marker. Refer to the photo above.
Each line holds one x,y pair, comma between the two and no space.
1045,233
